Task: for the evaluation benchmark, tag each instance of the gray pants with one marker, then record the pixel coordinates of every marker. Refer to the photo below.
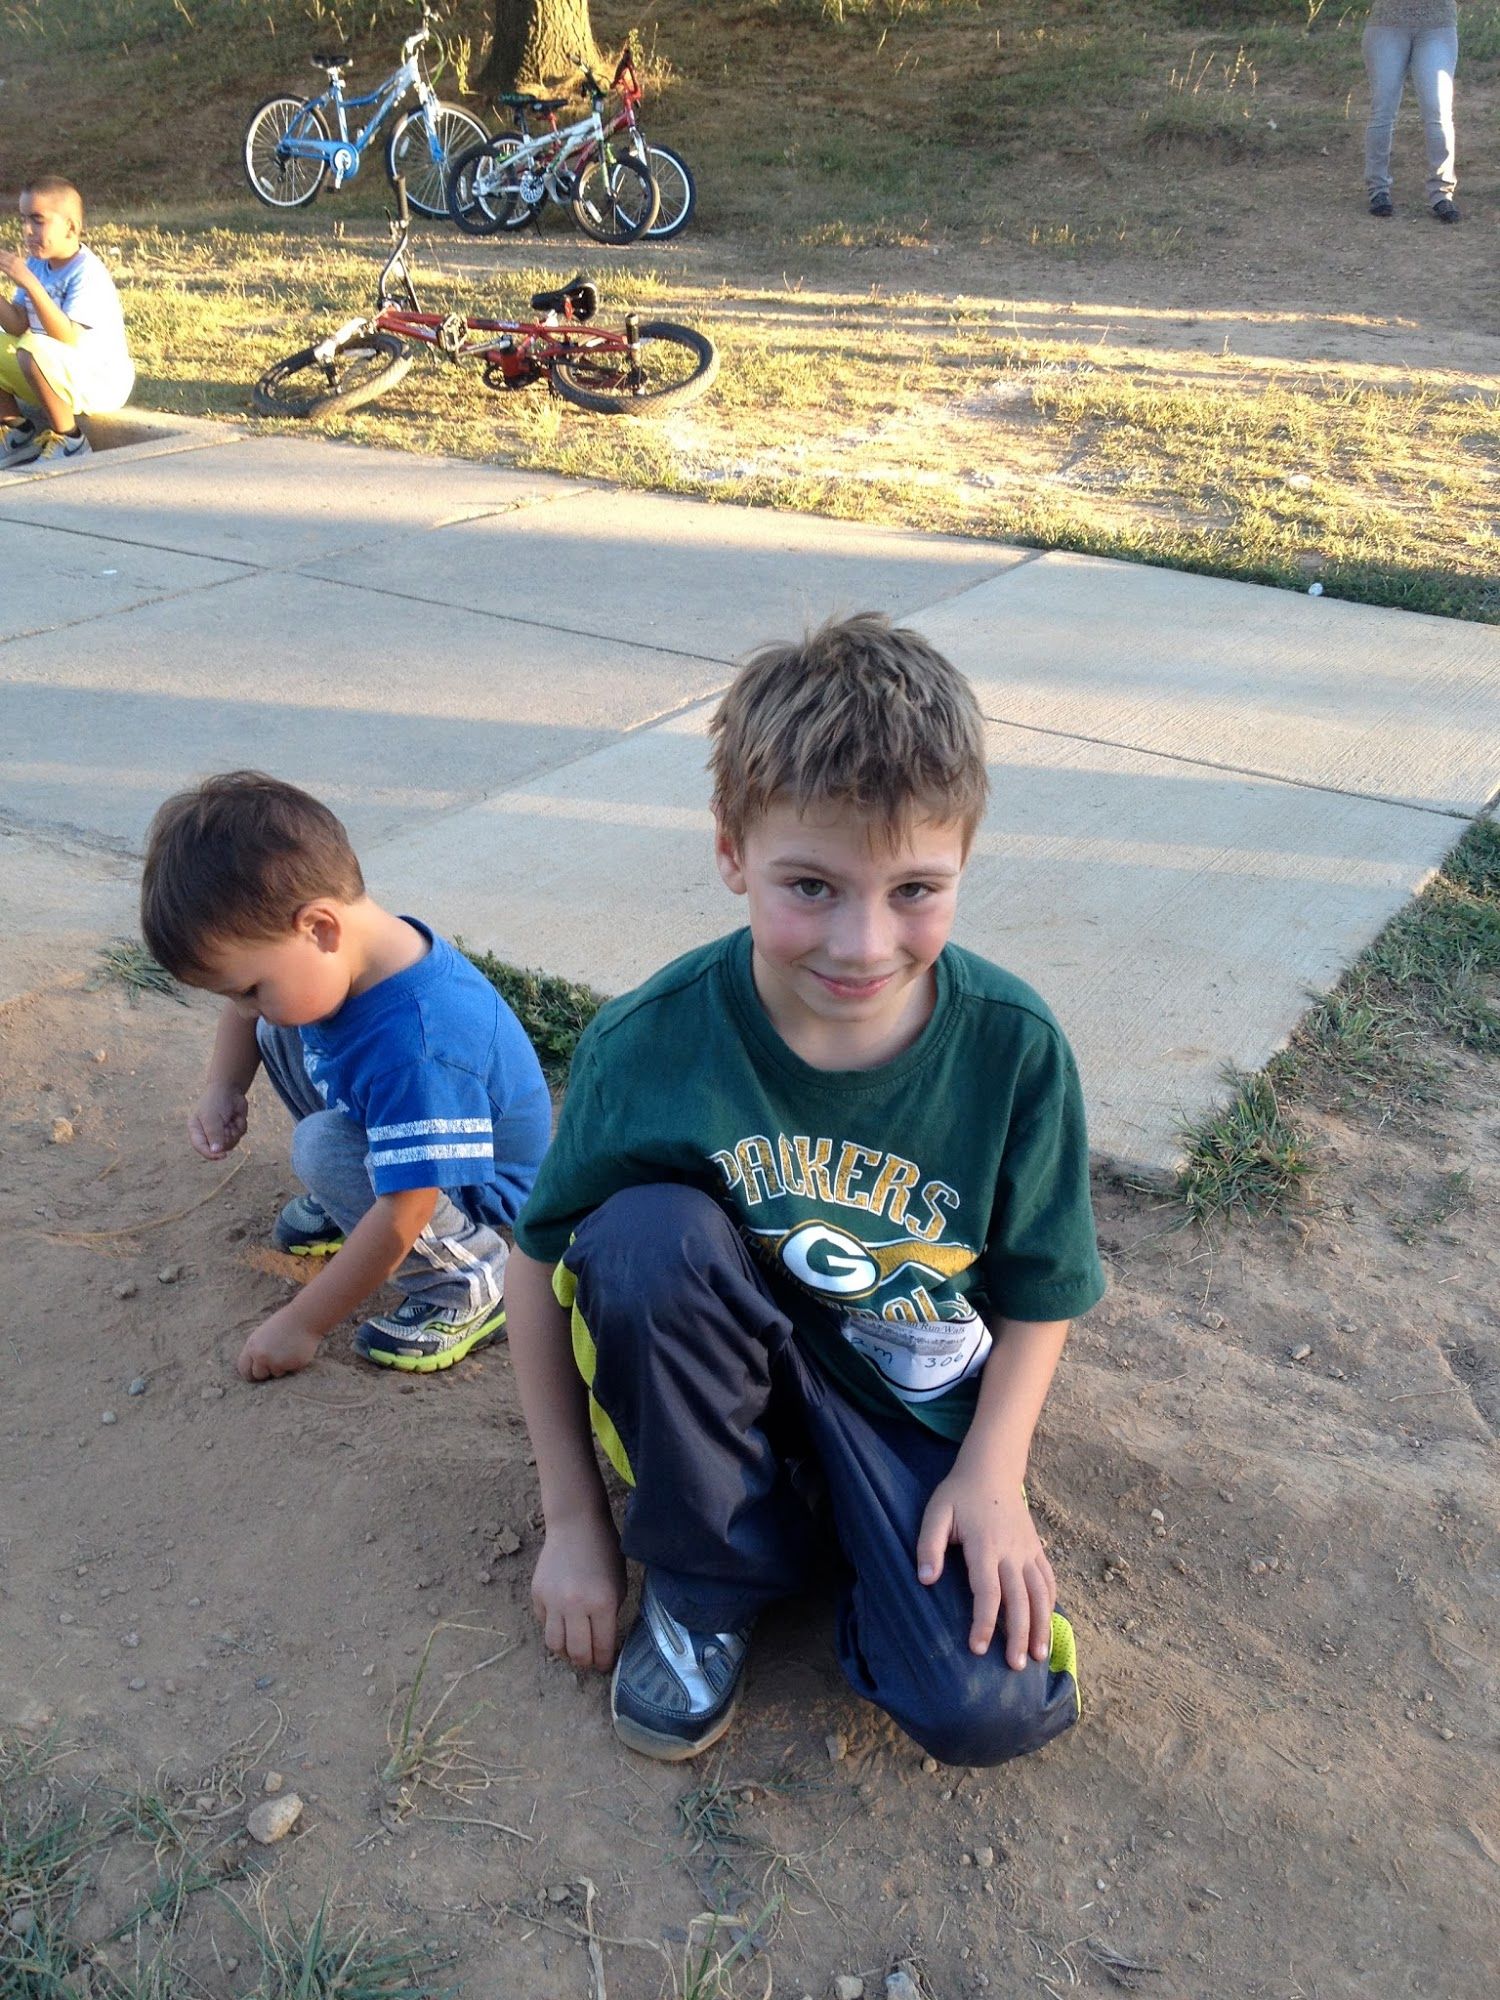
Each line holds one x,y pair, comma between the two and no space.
1430,56
456,1261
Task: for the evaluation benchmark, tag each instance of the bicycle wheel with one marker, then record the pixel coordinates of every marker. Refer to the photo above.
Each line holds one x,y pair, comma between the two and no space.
283,180
677,365
407,152
363,367
677,190
483,189
615,200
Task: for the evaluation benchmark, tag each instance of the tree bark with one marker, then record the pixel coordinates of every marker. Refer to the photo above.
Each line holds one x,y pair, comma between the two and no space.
541,45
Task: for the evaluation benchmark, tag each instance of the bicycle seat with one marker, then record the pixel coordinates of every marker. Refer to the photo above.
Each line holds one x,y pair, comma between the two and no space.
332,59
519,100
577,299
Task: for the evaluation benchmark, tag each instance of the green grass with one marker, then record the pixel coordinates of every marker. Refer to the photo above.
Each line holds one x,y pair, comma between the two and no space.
1372,1046
126,962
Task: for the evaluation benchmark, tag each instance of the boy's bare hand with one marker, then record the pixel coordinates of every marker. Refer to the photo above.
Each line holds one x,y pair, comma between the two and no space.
577,1590
1008,1568
218,1122
280,1345
14,267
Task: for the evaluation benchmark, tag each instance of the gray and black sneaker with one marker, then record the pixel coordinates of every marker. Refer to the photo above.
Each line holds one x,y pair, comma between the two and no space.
674,1691
422,1338
304,1228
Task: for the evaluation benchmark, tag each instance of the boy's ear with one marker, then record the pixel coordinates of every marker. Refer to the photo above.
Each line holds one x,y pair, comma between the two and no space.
727,856
323,923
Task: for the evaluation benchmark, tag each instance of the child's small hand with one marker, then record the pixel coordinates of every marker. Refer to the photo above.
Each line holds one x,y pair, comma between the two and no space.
278,1346
577,1590
1008,1568
218,1122
14,266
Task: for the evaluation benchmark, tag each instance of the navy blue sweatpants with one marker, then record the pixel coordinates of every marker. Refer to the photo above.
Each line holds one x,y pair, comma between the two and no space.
730,1428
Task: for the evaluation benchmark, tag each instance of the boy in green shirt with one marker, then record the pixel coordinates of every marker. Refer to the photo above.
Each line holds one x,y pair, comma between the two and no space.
808,1240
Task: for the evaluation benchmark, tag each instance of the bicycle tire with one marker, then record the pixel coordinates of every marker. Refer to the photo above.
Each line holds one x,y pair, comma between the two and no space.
599,381
481,197
406,153
289,183
676,189
363,367
615,200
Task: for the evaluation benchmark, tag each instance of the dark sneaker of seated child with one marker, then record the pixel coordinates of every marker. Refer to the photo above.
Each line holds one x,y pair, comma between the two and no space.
62,333
421,1113
809,1288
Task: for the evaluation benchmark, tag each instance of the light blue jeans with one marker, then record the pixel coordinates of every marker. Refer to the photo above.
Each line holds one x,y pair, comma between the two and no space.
456,1261
1431,57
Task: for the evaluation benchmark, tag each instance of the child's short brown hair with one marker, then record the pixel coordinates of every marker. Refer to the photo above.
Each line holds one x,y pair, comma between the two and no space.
860,713
234,859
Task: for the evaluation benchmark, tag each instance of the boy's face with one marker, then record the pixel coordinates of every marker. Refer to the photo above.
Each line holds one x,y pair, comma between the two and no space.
289,981
50,226
845,932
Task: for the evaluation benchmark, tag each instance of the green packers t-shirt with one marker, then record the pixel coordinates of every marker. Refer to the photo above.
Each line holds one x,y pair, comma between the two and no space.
895,1212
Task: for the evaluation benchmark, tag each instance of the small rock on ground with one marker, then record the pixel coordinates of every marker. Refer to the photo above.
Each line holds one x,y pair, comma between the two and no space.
899,1985
126,1289
274,1819
848,1986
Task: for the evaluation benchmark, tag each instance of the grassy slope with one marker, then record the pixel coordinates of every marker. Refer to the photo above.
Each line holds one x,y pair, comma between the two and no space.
819,127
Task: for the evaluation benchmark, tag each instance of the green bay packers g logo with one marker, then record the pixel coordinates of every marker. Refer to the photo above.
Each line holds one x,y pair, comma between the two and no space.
829,1260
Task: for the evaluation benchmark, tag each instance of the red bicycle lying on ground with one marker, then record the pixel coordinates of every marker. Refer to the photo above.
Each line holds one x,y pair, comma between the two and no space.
646,366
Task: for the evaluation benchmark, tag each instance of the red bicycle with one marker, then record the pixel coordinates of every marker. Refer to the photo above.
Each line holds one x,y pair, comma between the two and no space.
646,366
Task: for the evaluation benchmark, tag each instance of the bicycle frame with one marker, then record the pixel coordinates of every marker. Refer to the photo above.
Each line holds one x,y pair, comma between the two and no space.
514,352
558,156
344,151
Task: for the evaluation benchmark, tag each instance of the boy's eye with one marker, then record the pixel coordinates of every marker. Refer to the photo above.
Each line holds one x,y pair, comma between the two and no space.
810,886
913,892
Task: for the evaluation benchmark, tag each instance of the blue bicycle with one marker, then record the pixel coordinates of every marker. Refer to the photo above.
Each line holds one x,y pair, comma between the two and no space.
290,151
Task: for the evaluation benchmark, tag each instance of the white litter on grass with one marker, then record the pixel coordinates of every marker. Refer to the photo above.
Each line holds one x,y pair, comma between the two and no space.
1315,590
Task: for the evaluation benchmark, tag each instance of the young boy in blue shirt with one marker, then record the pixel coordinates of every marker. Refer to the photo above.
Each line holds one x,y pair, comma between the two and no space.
807,1243
421,1112
62,333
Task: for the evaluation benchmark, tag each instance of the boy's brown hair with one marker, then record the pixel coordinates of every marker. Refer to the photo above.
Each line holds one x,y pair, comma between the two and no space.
234,859
860,713
55,184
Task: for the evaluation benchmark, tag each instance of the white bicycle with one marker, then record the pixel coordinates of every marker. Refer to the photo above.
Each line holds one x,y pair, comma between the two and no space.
594,167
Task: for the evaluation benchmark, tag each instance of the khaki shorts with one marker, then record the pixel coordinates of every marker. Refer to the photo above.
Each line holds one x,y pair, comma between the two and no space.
89,382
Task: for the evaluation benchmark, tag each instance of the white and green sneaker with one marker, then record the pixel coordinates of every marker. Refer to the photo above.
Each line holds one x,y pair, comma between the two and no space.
304,1228
422,1338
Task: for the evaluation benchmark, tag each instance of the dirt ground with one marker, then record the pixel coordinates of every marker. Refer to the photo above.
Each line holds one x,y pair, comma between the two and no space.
1267,1477
1285,1782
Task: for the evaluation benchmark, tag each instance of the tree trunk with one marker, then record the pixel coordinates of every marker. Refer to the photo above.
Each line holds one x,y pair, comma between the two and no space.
541,45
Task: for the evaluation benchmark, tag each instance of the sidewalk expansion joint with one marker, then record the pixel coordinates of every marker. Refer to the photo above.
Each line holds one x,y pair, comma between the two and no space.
510,618
120,610
1237,770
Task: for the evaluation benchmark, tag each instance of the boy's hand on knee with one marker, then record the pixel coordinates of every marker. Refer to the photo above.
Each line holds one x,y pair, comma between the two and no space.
280,1345
577,1590
218,1122
1009,1573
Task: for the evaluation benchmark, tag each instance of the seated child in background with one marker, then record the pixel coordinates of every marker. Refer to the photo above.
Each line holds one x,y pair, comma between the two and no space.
62,334
420,1106
812,1228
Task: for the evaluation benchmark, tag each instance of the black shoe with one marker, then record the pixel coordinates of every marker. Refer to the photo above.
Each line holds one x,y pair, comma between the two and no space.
1445,210
304,1228
1382,205
674,1691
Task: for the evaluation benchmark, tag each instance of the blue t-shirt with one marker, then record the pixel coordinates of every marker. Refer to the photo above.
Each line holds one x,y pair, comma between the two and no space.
438,1071
84,290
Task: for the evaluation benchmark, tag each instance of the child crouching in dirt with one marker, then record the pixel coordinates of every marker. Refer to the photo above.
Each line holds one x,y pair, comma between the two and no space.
421,1113
807,1243
62,334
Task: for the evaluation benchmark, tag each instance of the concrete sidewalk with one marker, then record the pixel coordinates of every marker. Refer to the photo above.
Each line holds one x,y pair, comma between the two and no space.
1207,796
